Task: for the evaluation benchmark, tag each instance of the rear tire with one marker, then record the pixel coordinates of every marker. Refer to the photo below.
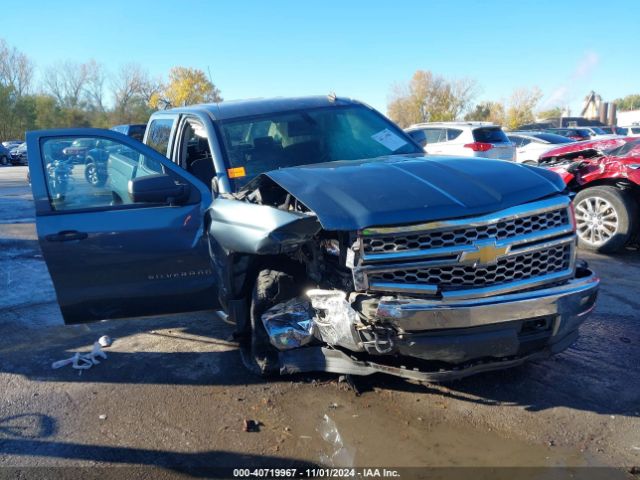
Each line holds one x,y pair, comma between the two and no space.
4,160
272,287
606,218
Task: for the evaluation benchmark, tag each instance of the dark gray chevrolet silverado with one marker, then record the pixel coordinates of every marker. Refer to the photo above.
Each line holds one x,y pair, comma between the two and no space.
323,233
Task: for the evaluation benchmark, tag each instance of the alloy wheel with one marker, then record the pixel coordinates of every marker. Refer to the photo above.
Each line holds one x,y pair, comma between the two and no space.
596,220
92,174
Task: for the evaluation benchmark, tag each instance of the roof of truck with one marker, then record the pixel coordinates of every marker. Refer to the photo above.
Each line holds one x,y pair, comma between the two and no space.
260,106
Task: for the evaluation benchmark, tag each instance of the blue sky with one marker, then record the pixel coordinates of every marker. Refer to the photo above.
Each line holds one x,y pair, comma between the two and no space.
355,48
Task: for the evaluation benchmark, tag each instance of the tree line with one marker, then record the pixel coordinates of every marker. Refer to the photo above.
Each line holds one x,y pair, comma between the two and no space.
85,94
429,97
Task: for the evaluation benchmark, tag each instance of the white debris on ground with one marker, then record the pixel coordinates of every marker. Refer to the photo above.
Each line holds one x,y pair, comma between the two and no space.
84,361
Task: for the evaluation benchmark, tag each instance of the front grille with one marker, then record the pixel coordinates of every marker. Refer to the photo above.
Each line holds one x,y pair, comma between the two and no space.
499,230
508,269
514,249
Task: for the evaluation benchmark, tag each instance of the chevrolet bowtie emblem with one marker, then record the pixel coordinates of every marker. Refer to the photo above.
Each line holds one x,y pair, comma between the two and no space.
486,252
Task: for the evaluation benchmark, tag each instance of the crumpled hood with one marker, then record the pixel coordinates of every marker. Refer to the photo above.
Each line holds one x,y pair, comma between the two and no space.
352,195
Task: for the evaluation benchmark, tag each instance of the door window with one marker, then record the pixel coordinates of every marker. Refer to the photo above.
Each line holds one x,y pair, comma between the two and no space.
92,172
159,135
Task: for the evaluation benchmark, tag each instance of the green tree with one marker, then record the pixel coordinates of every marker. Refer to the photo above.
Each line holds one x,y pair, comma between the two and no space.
186,86
630,102
48,112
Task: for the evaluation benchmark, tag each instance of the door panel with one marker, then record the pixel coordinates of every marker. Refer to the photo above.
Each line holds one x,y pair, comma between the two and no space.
109,256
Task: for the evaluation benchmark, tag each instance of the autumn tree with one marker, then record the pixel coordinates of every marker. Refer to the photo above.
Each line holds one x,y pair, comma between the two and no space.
186,86
430,97
550,113
487,112
520,108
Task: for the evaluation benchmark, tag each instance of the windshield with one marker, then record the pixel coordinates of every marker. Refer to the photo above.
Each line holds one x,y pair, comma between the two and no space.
255,145
599,131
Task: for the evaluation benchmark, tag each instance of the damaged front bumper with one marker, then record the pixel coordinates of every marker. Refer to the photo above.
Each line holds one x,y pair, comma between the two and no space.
443,340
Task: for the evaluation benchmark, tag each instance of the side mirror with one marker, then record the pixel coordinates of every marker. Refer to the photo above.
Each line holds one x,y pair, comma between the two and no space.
160,188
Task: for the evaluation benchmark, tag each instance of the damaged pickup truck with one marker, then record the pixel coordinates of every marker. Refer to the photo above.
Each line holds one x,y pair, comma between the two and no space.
323,233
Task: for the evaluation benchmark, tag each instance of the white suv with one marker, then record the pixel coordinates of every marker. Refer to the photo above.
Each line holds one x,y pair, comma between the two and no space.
630,131
467,139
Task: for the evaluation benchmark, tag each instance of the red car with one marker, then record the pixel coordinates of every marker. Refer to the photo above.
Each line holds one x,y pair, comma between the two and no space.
608,191
580,149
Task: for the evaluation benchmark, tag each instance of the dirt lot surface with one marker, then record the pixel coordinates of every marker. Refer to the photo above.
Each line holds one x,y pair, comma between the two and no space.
174,394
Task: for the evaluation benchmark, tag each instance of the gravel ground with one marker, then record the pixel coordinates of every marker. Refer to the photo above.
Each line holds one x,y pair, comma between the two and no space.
173,394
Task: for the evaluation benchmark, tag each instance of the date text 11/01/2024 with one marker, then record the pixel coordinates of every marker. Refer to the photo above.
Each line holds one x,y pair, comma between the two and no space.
315,473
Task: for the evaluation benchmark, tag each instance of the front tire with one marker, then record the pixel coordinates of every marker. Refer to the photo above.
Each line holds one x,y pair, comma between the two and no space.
272,287
4,160
606,218
92,175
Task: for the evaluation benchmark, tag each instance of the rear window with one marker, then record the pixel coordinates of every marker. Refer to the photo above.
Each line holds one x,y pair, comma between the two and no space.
137,131
490,135
453,133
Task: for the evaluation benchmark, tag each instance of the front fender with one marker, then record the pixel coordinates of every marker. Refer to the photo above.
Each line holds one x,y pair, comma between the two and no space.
244,227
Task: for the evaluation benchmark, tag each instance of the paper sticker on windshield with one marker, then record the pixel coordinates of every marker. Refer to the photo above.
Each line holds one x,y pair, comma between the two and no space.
389,139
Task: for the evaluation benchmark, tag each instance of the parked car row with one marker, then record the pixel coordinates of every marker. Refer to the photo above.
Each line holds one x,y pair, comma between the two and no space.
13,152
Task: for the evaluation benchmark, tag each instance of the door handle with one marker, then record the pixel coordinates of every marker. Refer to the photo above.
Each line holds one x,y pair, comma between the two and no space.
67,236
